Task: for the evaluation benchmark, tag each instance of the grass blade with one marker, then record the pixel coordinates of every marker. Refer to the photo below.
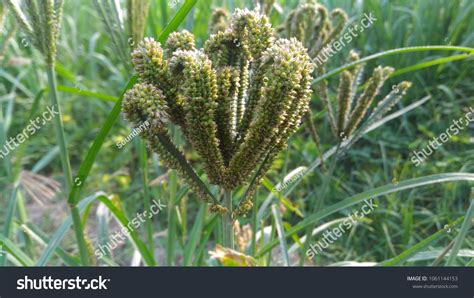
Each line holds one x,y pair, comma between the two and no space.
41,238
9,219
373,193
177,20
466,225
63,229
281,234
398,260
388,53
430,63
86,165
195,235
16,252
87,93
122,219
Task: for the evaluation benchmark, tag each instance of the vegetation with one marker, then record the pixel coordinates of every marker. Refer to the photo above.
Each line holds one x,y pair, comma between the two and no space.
282,149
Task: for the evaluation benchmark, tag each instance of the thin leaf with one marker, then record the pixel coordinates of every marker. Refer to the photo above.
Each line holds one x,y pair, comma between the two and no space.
86,165
195,235
398,260
388,53
430,63
122,219
41,238
15,251
177,20
373,193
60,233
9,218
466,225
281,234
87,93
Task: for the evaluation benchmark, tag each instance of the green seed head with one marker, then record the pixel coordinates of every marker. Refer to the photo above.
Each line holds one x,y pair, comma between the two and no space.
313,25
179,40
144,104
237,101
219,20
41,21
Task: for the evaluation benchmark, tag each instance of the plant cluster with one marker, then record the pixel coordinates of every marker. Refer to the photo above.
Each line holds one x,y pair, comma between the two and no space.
237,101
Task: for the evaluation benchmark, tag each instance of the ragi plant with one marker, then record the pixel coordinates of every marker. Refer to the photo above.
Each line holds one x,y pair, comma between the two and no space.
7,34
236,101
317,28
124,32
41,22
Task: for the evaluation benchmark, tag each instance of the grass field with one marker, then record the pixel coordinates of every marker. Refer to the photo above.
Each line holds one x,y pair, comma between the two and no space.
423,215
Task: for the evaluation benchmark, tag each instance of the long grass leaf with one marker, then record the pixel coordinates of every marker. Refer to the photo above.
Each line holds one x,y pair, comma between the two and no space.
86,165
281,234
388,53
87,93
398,260
466,225
194,235
177,20
430,63
42,239
15,251
122,218
9,218
60,233
373,193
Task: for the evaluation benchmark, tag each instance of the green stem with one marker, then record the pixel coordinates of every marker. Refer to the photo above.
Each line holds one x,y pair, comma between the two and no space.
253,246
79,232
58,125
172,212
146,197
227,228
171,219
23,220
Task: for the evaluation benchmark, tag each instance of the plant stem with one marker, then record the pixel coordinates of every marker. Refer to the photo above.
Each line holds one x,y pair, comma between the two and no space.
227,228
172,219
10,213
253,245
172,212
79,232
58,125
146,197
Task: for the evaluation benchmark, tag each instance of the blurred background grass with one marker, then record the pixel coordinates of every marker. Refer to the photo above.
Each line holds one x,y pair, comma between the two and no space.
87,61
